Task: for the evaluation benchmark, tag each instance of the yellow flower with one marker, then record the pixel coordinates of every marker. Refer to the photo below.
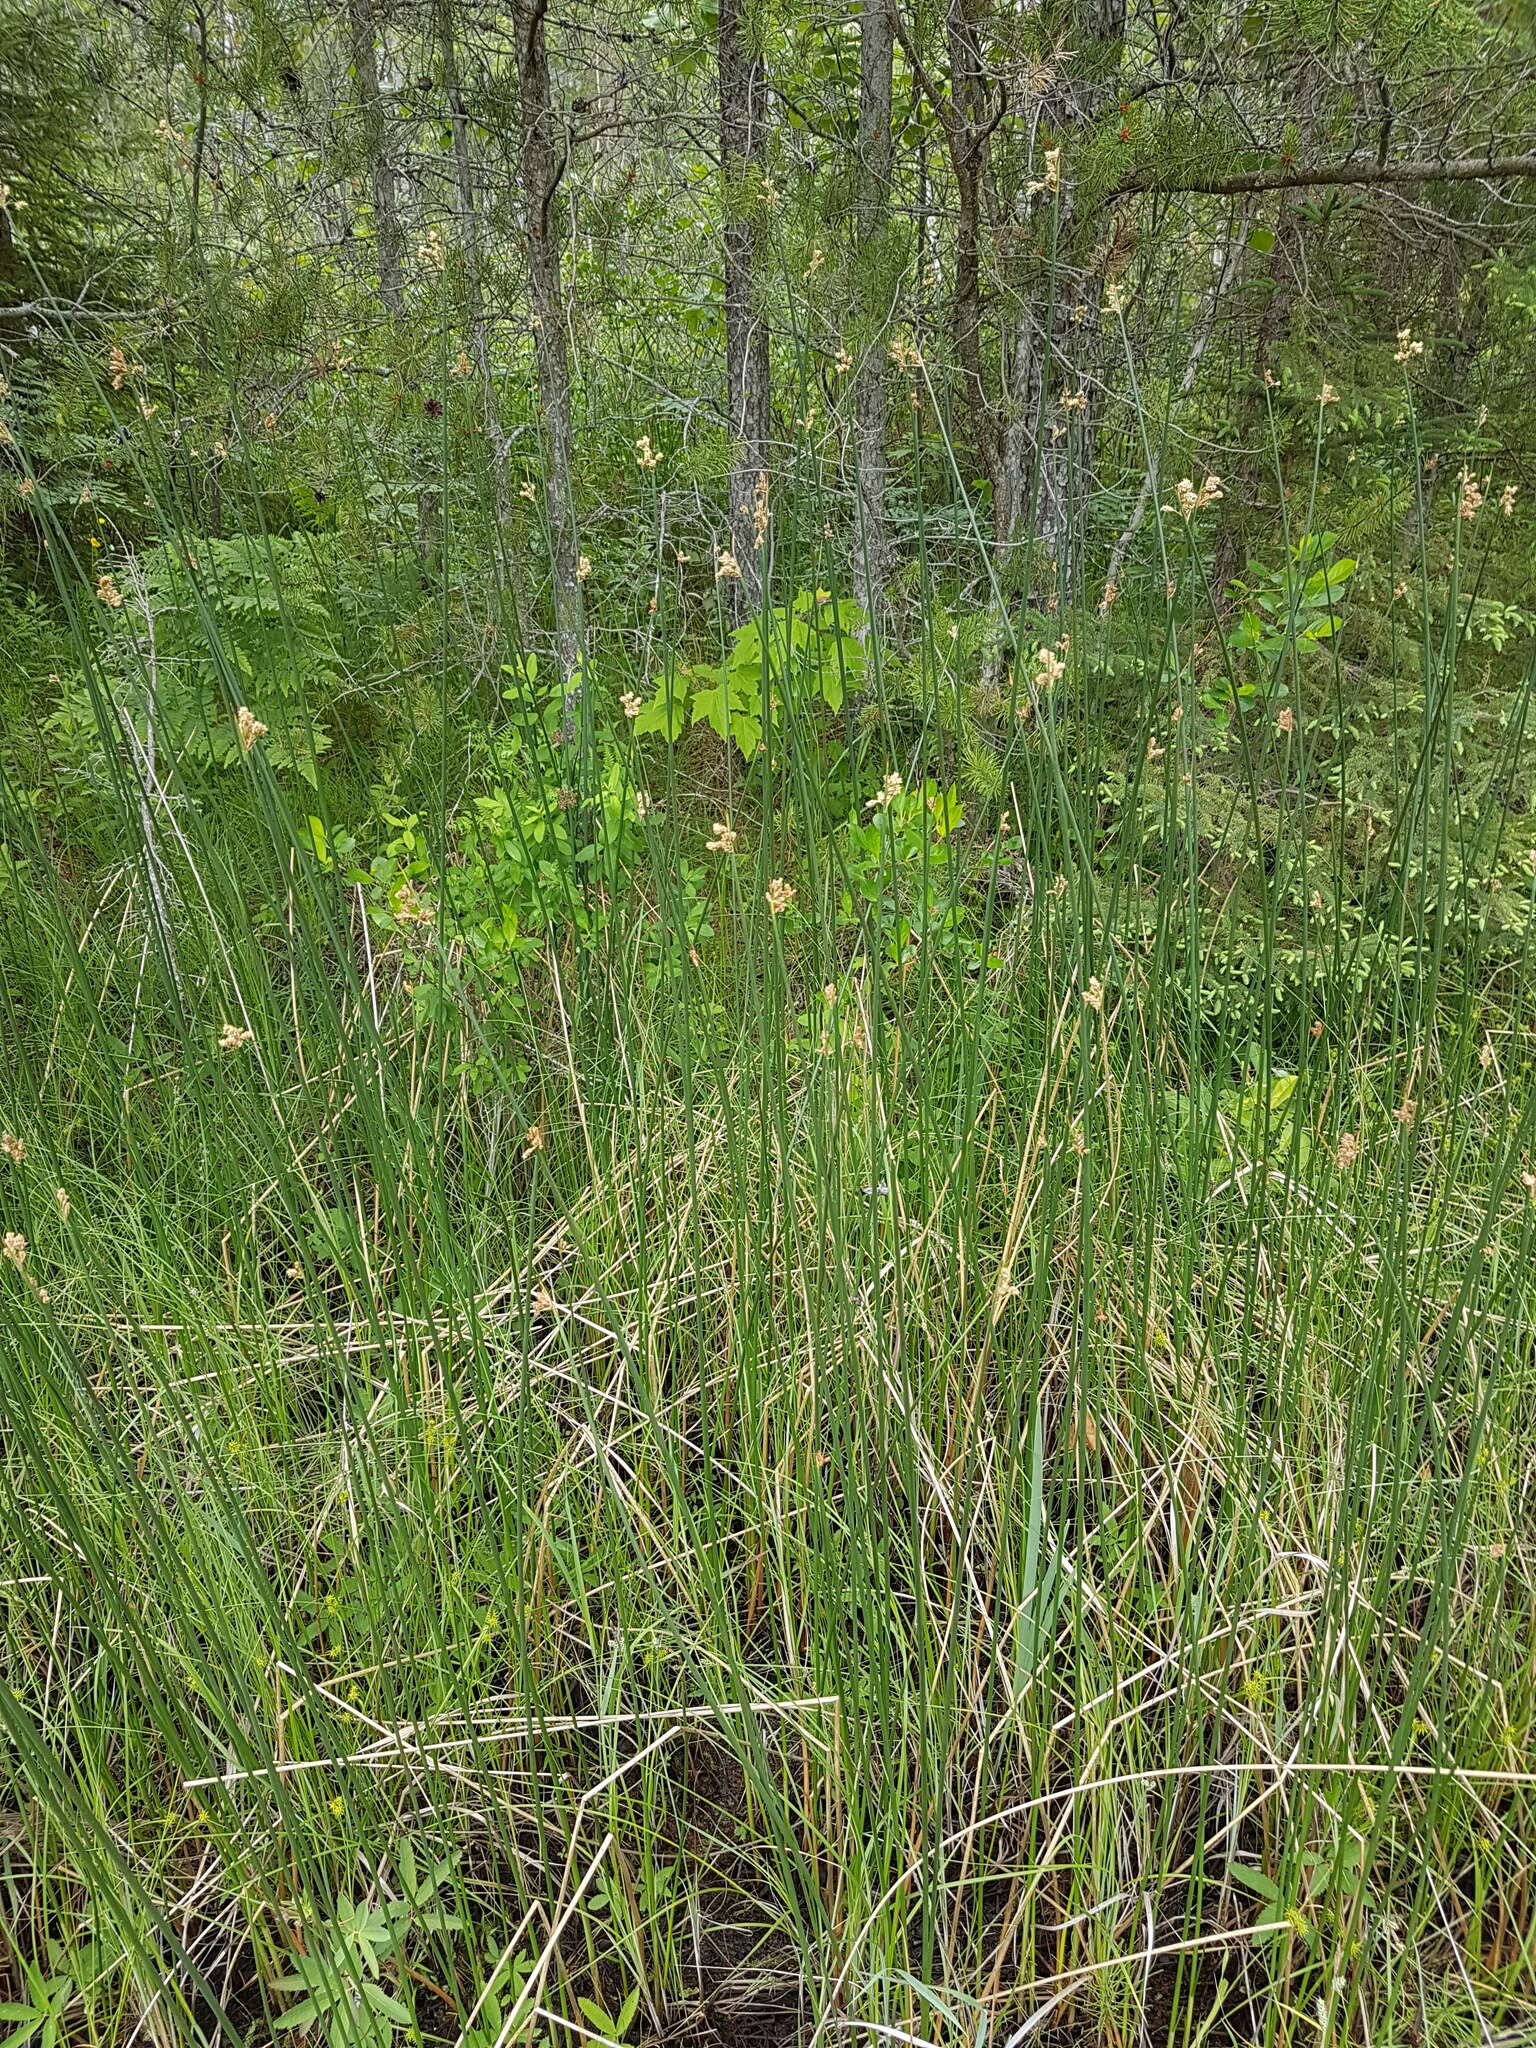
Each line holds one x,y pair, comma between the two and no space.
109,593
727,568
844,362
583,568
233,1037
533,1140
778,896
645,454
1074,401
629,704
1093,994
525,490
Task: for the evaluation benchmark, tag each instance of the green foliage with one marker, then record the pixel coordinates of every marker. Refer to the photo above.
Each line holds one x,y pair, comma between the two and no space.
866,1338
1285,614
806,653
343,1997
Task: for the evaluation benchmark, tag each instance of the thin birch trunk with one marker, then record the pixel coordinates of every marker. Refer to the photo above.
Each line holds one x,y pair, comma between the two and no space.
742,135
872,558
389,241
542,169
471,247
968,130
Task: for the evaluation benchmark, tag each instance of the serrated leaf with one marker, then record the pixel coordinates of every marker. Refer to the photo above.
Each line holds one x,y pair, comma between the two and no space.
667,713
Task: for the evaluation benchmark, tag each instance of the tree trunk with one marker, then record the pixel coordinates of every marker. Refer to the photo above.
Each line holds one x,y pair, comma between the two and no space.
742,134
968,131
872,557
1047,443
470,245
542,170
389,243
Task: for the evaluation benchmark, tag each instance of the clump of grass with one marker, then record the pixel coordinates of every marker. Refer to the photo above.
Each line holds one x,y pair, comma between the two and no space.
815,1490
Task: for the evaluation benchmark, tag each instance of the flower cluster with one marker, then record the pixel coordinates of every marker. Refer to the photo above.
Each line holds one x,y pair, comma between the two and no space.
1190,500
1051,182
248,728
1050,666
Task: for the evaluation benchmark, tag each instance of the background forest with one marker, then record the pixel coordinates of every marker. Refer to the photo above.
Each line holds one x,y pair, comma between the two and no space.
766,897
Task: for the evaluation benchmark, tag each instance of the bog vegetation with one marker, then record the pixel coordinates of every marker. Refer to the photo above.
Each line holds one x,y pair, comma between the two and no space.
766,902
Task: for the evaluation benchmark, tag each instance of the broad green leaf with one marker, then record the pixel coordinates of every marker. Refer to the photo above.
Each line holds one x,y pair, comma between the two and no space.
1255,1881
391,2008
667,713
